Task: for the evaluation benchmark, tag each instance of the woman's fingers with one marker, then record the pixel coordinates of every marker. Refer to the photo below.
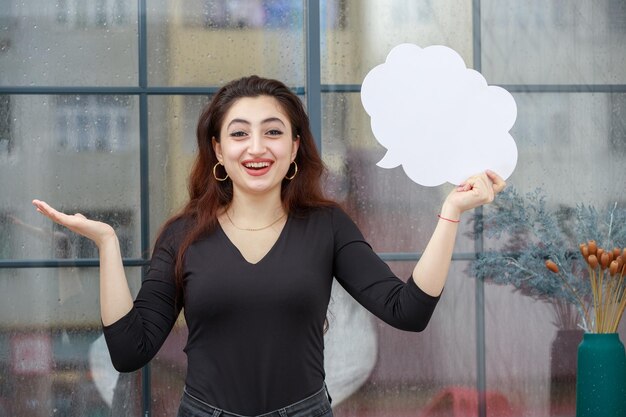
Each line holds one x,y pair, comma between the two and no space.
94,230
54,215
73,222
45,209
497,182
488,181
480,184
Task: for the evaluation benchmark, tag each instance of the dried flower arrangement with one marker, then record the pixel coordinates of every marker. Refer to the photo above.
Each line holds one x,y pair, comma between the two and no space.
606,270
528,233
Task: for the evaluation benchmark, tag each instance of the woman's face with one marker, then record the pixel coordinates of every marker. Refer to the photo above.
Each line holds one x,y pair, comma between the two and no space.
256,145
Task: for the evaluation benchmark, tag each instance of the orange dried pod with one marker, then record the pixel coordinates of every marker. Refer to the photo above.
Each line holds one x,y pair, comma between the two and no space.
613,268
584,250
611,257
552,266
592,261
616,252
604,260
599,253
620,262
593,247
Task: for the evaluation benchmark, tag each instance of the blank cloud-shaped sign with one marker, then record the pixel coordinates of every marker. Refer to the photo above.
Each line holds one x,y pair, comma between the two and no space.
437,118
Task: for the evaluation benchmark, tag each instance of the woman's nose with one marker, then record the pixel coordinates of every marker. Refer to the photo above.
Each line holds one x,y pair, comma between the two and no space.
257,144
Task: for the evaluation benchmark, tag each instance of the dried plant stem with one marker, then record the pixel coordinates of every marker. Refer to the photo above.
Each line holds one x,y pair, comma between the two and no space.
614,292
619,303
619,313
596,298
519,266
602,299
609,299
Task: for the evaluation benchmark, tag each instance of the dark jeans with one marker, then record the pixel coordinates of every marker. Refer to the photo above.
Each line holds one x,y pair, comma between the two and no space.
317,405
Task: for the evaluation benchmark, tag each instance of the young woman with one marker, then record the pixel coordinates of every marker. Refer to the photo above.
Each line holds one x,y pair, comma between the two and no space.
251,258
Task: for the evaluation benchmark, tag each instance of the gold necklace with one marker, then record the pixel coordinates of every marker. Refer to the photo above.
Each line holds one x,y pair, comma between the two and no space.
255,229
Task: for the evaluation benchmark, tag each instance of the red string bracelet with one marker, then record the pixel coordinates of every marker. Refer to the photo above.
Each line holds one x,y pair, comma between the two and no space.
449,220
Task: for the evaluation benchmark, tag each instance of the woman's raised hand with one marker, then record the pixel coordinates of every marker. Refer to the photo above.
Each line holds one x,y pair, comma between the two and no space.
97,231
477,190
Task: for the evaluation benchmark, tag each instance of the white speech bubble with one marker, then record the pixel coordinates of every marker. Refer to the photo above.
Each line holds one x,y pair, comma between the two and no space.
437,118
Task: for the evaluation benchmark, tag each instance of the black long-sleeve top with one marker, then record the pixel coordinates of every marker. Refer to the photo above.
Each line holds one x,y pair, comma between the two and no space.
255,339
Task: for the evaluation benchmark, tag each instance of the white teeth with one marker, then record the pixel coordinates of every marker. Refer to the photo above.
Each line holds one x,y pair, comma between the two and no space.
257,164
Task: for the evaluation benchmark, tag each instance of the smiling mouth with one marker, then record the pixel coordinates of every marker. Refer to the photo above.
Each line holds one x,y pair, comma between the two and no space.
256,165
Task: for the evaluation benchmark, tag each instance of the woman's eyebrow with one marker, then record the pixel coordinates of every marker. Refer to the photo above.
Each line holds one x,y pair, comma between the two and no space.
273,119
237,121
268,120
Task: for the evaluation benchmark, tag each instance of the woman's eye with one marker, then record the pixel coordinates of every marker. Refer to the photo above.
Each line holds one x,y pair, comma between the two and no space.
238,134
274,132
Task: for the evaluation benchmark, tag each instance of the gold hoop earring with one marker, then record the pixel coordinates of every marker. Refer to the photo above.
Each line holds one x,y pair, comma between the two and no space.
295,165
215,174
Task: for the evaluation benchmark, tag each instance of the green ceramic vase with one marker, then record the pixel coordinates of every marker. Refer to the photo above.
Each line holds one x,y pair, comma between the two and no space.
601,376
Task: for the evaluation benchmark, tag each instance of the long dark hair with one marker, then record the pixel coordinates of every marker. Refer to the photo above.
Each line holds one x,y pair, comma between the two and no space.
207,196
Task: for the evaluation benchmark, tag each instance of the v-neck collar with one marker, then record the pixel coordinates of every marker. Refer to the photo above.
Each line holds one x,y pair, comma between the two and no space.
267,254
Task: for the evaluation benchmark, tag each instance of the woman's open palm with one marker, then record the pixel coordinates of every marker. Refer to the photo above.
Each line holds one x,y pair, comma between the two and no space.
77,223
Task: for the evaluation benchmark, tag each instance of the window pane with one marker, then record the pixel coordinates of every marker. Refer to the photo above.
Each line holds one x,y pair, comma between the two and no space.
173,121
572,146
210,42
80,154
554,42
53,353
357,35
68,42
414,371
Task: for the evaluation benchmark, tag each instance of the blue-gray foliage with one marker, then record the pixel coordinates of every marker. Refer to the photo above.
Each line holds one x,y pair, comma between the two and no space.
528,233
